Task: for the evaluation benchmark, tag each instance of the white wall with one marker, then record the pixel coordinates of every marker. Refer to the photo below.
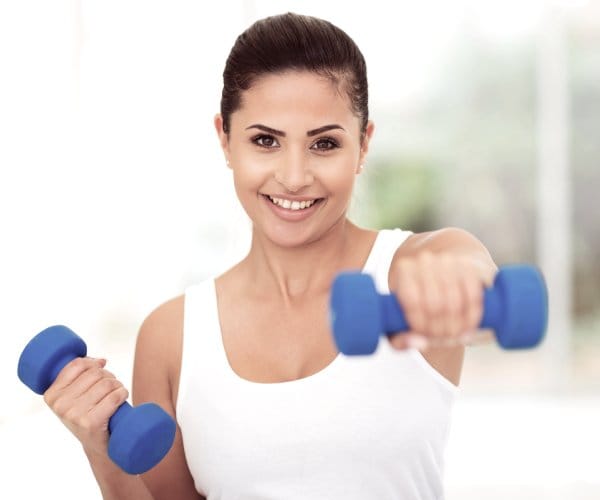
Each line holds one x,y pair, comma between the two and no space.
114,194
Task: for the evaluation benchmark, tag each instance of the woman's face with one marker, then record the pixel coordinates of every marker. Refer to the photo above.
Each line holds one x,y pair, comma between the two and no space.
294,148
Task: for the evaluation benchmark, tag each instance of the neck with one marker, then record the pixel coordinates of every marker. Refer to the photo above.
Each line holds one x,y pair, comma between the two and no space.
294,273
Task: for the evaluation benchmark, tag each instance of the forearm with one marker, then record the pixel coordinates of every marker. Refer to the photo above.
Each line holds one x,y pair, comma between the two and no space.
114,483
451,241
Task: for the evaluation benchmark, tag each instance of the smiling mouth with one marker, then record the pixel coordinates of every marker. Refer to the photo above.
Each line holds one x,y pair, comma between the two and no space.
293,205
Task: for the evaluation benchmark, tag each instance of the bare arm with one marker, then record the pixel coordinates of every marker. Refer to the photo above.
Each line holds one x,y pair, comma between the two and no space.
156,379
439,278
157,360
84,396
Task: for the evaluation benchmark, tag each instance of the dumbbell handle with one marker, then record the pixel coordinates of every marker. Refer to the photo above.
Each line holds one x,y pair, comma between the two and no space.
395,321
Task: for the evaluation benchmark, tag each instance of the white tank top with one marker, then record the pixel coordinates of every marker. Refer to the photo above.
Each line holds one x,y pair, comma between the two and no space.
367,427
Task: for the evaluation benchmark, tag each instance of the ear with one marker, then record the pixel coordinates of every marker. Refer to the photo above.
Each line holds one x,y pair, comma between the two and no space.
364,148
223,137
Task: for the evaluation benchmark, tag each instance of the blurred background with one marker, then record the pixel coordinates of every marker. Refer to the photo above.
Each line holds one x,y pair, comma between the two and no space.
114,197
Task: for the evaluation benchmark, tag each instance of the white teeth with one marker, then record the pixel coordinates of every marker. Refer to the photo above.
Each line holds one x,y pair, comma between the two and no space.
292,205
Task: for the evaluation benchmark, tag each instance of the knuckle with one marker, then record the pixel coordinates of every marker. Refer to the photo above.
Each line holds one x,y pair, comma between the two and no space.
409,299
86,423
109,384
437,328
416,321
63,409
403,263
71,414
96,376
454,303
96,371
79,364
434,303
474,292
449,260
49,398
425,256
118,396
460,327
475,317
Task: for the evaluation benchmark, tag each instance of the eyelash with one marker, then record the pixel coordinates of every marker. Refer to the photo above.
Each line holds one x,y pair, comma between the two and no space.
331,143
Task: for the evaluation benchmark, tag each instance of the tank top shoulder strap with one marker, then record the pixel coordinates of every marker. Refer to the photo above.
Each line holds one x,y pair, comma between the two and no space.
378,266
380,259
202,343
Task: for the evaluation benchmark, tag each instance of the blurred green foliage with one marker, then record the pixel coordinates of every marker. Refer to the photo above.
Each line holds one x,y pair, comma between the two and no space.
466,155
400,192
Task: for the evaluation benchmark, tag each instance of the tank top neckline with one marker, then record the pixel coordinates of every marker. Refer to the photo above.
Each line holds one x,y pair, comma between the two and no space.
327,370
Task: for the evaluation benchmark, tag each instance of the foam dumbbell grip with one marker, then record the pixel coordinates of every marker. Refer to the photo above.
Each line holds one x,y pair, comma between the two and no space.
139,436
515,307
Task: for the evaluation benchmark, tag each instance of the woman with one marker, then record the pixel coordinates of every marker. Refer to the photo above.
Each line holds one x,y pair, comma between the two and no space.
245,362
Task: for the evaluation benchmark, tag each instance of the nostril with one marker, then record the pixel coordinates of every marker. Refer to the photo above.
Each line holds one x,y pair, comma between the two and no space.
294,183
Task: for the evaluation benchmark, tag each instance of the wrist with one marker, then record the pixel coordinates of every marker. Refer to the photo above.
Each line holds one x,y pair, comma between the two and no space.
100,461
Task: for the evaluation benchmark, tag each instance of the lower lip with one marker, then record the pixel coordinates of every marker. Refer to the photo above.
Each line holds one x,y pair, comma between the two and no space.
292,215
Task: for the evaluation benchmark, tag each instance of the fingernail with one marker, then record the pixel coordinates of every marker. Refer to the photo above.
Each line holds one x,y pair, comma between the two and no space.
417,342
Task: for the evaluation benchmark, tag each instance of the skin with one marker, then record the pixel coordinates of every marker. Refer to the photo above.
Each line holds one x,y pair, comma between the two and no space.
281,288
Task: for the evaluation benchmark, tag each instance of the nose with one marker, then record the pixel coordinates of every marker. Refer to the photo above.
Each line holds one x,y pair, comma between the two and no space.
294,173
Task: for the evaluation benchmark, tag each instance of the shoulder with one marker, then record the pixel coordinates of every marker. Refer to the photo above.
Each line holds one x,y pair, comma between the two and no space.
155,379
159,343
163,325
162,319
447,238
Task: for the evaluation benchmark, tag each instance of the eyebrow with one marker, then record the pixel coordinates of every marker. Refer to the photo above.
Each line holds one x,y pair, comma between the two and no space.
310,133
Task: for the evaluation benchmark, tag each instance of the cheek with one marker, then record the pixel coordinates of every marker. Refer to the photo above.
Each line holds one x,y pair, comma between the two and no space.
249,176
340,176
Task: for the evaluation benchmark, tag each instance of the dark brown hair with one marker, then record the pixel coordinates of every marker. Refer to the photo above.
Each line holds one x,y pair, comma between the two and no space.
294,42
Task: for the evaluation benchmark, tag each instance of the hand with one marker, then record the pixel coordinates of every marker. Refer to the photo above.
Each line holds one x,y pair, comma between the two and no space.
84,396
441,295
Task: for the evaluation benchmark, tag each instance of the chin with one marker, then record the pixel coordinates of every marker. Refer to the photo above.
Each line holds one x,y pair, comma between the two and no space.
289,238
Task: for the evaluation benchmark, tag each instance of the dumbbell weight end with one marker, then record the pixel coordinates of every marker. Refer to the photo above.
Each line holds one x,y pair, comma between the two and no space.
139,437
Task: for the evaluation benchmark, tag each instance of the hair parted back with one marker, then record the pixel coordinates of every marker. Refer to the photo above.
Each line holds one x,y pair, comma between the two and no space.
294,42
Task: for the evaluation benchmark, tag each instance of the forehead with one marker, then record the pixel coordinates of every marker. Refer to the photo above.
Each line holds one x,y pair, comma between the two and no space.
297,97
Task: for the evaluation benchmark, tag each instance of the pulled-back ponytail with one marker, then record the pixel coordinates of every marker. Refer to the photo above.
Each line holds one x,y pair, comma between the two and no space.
294,42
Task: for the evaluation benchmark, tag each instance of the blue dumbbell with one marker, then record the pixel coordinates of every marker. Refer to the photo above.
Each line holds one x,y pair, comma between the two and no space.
515,307
139,437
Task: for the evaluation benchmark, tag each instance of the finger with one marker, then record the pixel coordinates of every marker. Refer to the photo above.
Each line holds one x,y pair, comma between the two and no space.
87,380
100,413
97,392
472,289
432,294
408,293
74,368
69,374
453,299
409,340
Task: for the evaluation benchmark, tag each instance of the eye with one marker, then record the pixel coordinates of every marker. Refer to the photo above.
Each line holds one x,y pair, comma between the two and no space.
265,141
325,144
